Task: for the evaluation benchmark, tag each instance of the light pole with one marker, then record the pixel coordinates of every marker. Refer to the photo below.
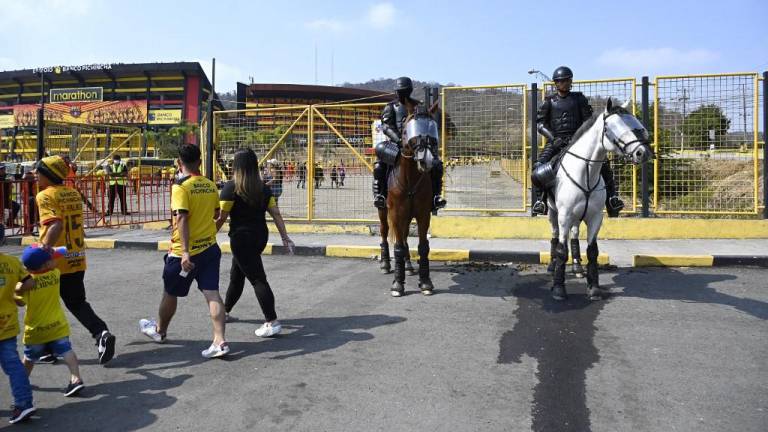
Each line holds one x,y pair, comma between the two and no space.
540,74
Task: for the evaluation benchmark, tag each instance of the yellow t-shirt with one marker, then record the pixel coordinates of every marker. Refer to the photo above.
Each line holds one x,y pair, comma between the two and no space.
11,272
44,321
65,204
199,197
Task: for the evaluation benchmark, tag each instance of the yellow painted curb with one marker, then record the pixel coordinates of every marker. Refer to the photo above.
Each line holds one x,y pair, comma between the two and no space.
267,249
602,259
348,251
613,228
225,247
163,245
321,228
156,225
672,260
100,243
28,240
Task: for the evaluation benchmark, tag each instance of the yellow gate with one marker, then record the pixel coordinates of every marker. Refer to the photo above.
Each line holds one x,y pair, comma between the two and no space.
705,138
598,92
484,148
278,136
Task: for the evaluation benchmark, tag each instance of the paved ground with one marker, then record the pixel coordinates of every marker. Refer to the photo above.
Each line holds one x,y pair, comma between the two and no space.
672,350
619,251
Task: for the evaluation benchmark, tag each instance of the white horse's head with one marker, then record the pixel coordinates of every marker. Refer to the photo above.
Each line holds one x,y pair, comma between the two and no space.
624,135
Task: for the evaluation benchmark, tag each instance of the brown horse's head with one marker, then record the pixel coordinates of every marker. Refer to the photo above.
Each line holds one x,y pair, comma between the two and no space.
420,137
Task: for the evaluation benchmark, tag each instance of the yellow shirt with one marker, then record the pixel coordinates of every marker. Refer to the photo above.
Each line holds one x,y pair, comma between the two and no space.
44,321
11,272
65,204
199,197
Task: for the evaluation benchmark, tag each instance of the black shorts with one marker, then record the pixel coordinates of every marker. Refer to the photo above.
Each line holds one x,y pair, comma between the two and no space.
206,272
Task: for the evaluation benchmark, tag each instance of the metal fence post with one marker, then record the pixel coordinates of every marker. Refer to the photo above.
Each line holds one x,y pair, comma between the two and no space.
765,139
209,135
40,134
534,134
644,190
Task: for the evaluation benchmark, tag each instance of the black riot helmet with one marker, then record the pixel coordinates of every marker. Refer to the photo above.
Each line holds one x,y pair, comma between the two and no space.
562,73
403,87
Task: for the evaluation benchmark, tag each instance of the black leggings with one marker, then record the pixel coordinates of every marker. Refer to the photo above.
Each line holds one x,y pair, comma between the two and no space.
247,247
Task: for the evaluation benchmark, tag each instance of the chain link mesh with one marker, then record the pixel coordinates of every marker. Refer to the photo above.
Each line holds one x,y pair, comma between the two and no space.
706,144
484,138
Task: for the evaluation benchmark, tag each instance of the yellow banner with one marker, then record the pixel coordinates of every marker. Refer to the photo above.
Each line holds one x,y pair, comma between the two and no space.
113,112
164,117
6,121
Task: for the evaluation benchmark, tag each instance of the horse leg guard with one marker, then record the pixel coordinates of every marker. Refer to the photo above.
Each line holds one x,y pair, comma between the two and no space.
560,258
425,282
384,261
594,292
398,285
552,245
576,267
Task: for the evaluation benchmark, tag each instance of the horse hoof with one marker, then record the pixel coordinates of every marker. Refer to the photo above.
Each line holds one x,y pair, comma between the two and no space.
578,271
412,272
396,293
386,269
398,289
558,293
426,288
596,293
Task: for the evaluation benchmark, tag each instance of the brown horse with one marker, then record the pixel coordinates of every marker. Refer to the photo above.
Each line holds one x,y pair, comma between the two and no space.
410,197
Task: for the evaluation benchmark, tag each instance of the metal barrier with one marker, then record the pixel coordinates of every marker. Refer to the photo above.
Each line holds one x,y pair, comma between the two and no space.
705,134
598,92
484,148
278,134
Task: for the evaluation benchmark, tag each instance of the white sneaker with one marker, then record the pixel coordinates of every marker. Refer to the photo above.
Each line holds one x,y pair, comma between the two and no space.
149,329
214,351
269,329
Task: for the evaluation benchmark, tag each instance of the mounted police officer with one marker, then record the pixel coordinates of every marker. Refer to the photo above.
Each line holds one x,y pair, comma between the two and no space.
392,121
558,119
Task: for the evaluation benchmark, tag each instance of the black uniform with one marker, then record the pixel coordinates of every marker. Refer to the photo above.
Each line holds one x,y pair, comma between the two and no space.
392,121
558,118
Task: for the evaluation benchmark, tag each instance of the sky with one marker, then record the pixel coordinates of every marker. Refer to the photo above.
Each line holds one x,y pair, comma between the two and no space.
462,42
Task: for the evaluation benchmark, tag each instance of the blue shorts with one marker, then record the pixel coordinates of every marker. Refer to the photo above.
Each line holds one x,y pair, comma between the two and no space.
206,272
57,347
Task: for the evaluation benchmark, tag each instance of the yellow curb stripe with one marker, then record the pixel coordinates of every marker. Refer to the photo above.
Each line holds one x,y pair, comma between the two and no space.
672,260
156,225
163,245
99,243
225,247
602,259
350,251
26,241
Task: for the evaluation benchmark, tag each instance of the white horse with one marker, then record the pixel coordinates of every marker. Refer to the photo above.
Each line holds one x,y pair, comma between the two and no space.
580,191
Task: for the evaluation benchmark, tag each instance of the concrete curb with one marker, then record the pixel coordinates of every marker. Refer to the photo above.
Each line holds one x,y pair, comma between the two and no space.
368,252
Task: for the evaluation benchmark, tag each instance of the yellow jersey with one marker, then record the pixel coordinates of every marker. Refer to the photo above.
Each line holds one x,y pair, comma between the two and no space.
44,321
65,204
199,197
11,272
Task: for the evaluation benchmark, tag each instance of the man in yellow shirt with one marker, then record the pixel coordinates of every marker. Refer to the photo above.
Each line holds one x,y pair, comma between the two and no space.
61,224
194,253
11,274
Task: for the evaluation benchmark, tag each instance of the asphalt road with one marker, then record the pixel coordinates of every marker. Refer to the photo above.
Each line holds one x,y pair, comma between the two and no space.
671,350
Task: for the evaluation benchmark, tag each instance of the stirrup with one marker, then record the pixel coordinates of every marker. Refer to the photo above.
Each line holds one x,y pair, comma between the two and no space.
539,208
438,202
380,201
614,206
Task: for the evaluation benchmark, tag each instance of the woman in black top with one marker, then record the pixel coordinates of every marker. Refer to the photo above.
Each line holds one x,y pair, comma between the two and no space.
246,199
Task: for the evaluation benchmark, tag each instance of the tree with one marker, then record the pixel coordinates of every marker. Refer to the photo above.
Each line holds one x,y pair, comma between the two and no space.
704,126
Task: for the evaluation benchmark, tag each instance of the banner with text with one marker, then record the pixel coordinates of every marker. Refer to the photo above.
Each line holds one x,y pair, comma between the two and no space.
164,117
116,112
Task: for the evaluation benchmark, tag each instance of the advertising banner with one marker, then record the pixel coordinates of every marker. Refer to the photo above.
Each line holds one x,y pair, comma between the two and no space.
105,113
164,116
6,121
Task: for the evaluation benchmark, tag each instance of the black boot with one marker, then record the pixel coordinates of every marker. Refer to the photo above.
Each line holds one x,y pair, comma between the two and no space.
540,206
438,201
613,204
379,185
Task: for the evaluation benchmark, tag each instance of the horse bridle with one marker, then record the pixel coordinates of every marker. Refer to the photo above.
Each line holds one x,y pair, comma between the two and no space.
620,144
412,192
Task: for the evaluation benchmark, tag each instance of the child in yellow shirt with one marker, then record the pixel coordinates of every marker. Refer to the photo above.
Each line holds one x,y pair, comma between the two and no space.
45,327
11,274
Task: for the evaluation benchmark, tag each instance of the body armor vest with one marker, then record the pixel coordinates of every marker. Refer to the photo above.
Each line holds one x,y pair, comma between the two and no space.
565,115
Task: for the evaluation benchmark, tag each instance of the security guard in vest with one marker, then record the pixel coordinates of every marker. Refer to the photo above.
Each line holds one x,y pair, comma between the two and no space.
557,120
392,122
117,173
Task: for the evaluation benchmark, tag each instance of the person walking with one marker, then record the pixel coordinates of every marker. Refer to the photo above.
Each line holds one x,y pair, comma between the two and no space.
194,254
60,212
246,199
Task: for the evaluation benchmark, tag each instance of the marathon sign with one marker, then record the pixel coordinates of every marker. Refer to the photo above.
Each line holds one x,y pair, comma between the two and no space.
80,68
80,94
